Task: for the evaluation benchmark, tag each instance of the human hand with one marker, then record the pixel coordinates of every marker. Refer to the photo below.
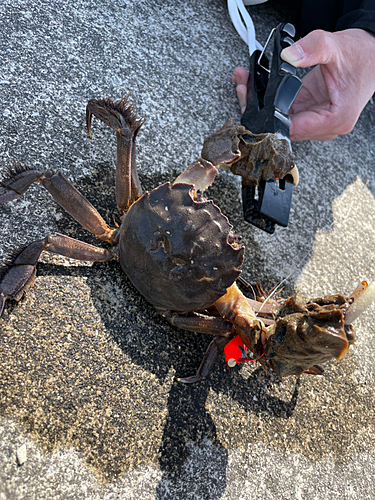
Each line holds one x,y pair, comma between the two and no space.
335,91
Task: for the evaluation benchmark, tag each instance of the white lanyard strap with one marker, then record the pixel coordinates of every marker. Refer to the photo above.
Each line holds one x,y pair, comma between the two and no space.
243,23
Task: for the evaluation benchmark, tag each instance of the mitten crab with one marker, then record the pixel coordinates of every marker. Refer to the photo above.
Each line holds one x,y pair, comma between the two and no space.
181,253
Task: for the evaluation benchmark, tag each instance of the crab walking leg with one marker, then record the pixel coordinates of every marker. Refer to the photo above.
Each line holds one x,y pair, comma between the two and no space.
128,185
20,275
208,361
315,370
266,308
120,116
200,324
63,192
125,158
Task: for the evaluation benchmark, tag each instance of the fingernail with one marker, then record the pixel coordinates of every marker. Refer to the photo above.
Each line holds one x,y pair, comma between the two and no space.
293,54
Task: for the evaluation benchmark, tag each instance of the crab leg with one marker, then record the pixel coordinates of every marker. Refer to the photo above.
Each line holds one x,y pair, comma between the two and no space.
200,324
201,173
20,275
235,307
120,116
264,309
63,192
208,361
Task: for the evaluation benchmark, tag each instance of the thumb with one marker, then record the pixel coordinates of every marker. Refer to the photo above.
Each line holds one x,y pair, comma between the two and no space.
318,47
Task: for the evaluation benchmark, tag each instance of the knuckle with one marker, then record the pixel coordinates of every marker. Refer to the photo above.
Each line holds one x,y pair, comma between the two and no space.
325,42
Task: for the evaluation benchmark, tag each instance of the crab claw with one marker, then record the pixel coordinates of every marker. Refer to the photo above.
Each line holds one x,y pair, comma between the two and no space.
308,334
223,146
251,156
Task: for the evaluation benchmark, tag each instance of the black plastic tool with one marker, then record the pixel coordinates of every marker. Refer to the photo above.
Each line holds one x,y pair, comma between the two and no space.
270,93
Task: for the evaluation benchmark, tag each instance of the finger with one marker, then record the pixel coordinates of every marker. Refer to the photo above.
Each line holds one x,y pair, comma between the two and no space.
242,97
318,47
240,77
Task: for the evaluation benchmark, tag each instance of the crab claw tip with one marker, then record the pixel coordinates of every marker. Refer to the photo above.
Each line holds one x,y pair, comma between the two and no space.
360,304
295,174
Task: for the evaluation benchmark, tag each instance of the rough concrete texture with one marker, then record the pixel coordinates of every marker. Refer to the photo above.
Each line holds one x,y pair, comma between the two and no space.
88,368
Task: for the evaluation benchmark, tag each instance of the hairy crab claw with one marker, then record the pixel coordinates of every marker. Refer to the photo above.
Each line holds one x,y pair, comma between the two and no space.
181,253
260,156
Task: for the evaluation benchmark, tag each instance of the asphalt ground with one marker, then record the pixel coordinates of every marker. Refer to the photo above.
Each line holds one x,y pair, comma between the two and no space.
88,368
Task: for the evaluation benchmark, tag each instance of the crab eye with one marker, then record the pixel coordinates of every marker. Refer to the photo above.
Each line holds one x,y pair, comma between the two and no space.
233,238
199,196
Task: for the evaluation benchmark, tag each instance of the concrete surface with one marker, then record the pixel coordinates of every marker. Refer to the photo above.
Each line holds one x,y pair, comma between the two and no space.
88,368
